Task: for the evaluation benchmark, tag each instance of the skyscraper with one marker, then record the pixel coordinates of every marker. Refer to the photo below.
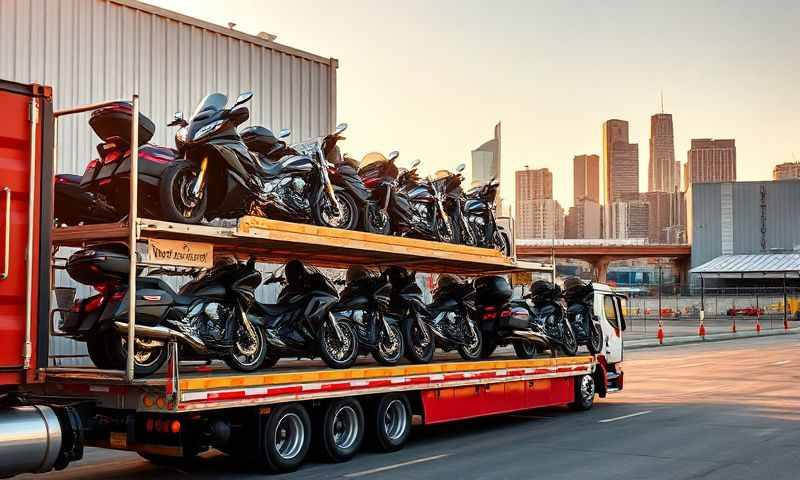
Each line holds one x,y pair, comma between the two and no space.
620,161
667,216
586,178
631,219
536,183
710,161
486,159
539,218
583,220
661,169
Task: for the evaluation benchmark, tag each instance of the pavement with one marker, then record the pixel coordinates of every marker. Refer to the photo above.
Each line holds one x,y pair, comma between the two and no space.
714,410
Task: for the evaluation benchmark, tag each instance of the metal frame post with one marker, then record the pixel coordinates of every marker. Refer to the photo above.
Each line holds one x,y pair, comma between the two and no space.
785,305
132,237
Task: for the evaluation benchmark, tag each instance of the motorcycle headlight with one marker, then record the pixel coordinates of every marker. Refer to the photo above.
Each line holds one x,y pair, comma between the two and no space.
205,130
180,135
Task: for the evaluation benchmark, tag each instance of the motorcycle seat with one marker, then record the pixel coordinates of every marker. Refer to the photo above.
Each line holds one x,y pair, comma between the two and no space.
274,168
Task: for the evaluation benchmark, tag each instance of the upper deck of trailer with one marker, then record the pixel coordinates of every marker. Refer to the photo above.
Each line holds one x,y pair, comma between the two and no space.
277,241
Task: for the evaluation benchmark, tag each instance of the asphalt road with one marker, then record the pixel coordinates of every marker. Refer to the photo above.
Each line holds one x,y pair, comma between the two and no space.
725,410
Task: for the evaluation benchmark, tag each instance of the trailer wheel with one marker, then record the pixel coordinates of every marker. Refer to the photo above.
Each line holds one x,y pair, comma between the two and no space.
285,438
585,390
341,429
390,422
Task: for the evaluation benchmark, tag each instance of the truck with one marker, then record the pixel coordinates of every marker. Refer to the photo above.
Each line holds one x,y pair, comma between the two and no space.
49,413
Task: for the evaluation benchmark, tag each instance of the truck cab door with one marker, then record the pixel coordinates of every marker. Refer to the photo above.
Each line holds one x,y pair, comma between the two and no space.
609,309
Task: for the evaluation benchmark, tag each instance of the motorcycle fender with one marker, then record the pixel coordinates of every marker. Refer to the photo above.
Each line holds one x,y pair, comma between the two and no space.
319,307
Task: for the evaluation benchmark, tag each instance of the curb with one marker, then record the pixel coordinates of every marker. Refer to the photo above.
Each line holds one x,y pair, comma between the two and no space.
720,337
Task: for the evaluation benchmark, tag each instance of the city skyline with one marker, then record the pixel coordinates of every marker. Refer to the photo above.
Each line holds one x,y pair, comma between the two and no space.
435,93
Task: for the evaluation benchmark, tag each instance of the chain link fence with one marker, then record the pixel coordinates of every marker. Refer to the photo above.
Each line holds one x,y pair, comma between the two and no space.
676,309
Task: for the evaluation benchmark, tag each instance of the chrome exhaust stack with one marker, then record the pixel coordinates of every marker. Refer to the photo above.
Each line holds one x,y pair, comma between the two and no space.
163,334
531,336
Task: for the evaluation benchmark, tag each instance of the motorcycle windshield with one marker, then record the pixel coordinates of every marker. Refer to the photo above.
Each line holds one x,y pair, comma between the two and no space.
211,102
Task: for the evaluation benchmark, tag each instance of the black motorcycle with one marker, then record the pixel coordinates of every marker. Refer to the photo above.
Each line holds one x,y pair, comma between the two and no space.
301,322
450,318
408,307
549,314
579,297
479,215
364,302
502,322
429,220
206,317
102,193
391,209
454,199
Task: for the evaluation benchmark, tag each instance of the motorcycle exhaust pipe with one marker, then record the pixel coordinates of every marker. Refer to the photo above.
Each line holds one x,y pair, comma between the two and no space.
531,337
164,334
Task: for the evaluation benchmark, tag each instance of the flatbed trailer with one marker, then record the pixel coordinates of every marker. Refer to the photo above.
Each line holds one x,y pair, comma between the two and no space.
49,414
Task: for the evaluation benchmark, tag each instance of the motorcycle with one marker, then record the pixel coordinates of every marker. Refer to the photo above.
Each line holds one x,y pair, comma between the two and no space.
548,313
407,306
454,199
428,217
301,322
479,216
364,302
450,318
579,297
391,209
102,193
206,316
503,322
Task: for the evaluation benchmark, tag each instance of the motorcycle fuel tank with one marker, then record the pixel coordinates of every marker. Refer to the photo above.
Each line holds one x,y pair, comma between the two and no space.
475,207
420,193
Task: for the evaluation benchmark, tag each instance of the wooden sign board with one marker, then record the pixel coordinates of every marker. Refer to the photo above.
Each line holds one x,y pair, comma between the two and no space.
179,253
521,278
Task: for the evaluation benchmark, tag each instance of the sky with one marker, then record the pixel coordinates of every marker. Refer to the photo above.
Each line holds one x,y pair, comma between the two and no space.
431,78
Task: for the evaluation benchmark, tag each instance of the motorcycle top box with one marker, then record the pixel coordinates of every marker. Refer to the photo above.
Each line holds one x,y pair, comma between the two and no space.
100,264
492,290
116,121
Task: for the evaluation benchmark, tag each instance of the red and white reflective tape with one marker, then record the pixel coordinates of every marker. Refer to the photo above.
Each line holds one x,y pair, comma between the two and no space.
362,385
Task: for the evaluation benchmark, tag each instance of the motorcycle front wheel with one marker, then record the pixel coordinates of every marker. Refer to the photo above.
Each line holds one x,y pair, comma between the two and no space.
441,230
389,350
178,203
377,220
335,352
418,349
595,344
500,242
569,345
346,219
471,349
146,361
248,353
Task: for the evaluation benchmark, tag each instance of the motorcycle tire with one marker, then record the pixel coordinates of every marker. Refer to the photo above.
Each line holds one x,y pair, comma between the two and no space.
348,356
348,215
253,362
269,361
500,243
440,229
595,343
569,345
472,351
488,347
98,352
524,350
415,352
373,223
174,203
393,356
117,351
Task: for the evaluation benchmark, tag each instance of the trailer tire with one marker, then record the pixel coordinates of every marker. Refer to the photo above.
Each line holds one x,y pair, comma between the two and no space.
390,422
285,438
585,391
341,429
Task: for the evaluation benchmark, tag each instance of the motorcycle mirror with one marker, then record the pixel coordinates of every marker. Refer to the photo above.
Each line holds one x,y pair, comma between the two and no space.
177,119
340,128
393,154
177,115
284,133
416,163
242,98
460,167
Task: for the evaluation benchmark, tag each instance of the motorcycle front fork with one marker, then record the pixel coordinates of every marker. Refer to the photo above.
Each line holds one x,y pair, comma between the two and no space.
336,329
199,182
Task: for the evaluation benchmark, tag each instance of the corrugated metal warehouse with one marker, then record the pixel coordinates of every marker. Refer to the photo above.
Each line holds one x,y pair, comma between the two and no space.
96,50
743,218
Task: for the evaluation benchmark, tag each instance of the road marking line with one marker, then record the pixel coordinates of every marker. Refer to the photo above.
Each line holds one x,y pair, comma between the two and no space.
608,420
782,363
689,365
397,465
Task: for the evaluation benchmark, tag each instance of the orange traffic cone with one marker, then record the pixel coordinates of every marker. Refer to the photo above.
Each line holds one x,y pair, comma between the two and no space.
702,331
660,335
733,328
785,324
758,326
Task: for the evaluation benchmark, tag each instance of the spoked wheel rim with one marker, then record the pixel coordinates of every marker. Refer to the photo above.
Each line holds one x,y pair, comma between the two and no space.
343,218
143,357
289,436
395,420
500,243
418,344
596,337
378,219
444,235
247,350
339,350
389,347
587,389
568,337
474,345
182,194
345,427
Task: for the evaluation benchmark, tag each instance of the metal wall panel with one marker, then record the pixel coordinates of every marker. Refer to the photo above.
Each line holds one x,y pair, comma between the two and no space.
706,222
97,50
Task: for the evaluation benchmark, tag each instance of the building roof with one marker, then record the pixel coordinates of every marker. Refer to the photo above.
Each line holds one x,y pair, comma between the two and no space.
751,264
